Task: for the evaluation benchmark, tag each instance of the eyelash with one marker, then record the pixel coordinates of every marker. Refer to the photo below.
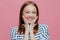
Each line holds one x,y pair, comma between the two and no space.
26,12
32,12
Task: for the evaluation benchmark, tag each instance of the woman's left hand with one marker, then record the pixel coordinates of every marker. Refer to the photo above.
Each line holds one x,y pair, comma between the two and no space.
33,23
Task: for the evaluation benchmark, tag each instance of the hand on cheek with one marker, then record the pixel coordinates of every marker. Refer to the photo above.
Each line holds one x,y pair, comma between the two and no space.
32,24
26,25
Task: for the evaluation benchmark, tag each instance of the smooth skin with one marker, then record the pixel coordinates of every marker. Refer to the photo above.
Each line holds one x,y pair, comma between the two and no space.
29,16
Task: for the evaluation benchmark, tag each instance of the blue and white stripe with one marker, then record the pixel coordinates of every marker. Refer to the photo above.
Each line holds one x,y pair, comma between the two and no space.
42,33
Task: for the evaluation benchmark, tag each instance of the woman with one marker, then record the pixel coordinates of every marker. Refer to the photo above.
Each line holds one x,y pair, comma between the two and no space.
28,28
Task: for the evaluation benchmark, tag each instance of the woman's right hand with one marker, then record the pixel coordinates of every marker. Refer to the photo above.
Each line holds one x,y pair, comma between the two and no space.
26,28
26,25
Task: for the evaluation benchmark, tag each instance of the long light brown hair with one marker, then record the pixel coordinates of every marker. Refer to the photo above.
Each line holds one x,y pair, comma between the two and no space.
21,28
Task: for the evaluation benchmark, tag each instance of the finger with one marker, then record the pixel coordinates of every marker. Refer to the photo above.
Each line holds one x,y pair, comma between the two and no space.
32,26
35,25
35,19
23,25
25,20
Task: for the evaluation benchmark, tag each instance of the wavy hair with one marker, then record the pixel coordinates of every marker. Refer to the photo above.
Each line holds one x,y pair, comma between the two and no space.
21,28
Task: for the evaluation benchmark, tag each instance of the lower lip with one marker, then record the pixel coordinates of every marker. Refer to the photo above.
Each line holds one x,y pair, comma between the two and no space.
30,19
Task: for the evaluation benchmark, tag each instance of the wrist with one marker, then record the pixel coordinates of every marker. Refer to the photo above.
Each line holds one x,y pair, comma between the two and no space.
31,31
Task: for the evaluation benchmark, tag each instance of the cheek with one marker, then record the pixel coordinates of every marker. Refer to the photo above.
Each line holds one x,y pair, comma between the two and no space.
25,15
34,15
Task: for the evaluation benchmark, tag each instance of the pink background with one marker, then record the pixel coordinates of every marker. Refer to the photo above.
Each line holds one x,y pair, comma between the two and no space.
49,14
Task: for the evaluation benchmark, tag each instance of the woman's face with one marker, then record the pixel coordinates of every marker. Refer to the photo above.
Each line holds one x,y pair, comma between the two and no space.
30,12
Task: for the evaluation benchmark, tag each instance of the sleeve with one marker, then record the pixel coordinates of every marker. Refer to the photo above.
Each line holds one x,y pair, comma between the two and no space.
45,32
13,34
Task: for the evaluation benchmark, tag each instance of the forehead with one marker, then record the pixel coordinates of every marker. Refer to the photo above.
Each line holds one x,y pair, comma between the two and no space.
30,7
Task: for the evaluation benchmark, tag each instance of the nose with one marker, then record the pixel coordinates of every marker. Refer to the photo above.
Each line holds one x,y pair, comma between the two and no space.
30,14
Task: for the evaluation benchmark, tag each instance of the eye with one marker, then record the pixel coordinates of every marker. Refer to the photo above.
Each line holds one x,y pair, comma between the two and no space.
34,12
26,12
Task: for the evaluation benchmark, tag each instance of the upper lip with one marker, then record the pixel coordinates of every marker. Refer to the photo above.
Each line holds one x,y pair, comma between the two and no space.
30,18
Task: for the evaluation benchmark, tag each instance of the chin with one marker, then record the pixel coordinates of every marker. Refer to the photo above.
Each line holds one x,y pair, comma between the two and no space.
29,22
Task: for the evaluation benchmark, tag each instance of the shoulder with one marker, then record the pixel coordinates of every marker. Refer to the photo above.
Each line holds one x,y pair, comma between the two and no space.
43,31
14,33
14,29
44,26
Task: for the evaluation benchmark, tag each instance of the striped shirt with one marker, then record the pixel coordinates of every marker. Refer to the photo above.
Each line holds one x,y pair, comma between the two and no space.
42,33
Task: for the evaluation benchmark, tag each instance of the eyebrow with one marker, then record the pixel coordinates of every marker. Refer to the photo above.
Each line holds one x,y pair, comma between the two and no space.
28,10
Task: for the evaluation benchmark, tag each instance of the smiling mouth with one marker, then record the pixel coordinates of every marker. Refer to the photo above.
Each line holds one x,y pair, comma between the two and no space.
30,19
